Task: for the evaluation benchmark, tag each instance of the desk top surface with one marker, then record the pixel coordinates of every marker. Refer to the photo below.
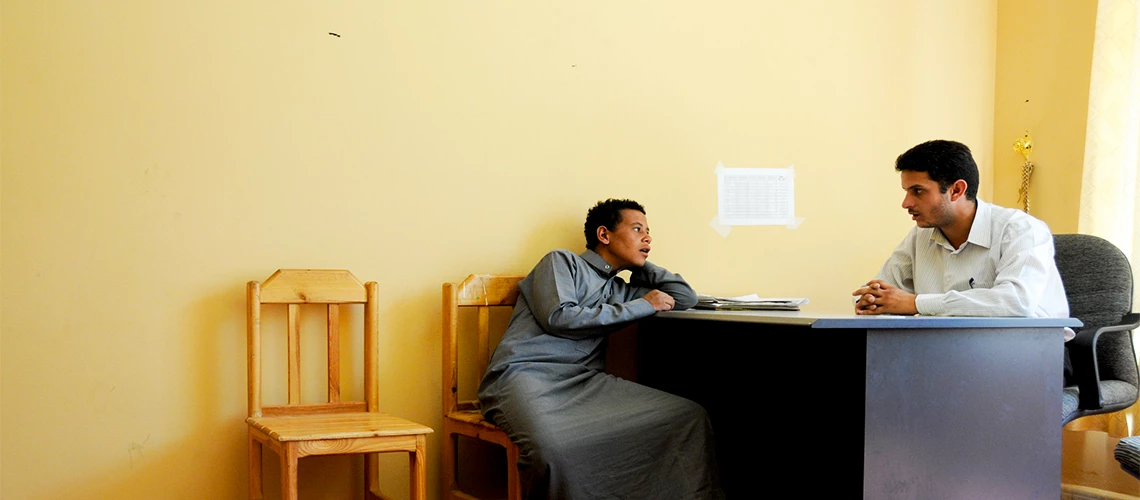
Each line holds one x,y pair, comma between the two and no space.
826,319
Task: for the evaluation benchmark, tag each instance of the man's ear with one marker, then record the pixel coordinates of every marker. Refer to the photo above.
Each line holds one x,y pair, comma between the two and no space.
958,189
603,235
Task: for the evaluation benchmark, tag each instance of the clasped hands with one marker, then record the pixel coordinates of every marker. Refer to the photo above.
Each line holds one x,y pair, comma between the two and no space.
878,297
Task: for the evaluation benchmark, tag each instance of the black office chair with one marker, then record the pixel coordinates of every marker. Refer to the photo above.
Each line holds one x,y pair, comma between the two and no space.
1098,284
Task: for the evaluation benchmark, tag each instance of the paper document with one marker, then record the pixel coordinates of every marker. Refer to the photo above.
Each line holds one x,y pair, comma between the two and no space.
751,302
756,196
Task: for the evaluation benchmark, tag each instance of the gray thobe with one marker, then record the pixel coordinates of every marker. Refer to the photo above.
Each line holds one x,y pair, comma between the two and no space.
582,433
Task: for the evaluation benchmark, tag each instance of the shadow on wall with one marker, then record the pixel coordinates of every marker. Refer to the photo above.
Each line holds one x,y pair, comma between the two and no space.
210,460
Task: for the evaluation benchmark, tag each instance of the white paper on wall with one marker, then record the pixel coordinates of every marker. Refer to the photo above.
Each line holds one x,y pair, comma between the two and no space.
756,197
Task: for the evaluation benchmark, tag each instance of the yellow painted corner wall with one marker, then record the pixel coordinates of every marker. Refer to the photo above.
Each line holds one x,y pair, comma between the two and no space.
1044,59
158,155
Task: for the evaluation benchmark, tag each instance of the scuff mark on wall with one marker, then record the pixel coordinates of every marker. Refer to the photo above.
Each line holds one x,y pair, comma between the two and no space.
136,449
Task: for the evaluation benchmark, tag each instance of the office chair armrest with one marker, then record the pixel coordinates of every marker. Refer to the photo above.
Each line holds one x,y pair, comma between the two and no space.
1086,369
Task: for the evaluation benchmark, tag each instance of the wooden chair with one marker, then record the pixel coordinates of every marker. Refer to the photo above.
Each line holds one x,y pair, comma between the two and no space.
335,427
463,418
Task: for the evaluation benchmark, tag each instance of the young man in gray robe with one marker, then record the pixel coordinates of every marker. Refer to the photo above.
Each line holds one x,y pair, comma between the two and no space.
582,433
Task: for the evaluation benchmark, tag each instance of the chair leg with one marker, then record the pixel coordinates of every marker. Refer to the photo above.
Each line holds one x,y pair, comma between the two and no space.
450,448
418,477
514,487
288,472
255,490
371,476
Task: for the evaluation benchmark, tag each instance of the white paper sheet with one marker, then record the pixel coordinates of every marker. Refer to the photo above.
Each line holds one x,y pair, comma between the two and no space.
756,196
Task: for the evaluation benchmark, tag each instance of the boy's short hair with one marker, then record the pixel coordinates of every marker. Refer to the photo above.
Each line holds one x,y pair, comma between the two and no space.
606,213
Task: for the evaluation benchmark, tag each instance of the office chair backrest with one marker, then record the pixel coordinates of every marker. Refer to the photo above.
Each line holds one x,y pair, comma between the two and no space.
1097,278
1098,284
294,287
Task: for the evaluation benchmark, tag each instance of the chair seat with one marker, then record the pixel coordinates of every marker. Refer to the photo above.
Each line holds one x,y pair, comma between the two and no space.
336,426
1115,392
474,417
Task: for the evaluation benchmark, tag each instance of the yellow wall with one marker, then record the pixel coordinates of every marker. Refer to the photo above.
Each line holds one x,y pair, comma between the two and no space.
1044,57
158,155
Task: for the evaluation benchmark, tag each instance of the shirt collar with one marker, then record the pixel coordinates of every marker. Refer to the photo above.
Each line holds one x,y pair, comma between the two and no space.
597,262
980,233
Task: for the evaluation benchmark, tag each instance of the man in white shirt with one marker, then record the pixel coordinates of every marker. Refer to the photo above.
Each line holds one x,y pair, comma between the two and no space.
964,257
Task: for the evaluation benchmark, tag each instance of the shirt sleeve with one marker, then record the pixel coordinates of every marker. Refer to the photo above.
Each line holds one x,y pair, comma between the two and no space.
1021,280
653,277
557,301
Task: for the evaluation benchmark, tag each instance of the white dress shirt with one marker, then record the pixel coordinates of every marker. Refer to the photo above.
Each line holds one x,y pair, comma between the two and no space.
1005,268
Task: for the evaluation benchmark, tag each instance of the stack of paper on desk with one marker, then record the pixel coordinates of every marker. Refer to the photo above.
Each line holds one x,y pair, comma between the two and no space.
749,303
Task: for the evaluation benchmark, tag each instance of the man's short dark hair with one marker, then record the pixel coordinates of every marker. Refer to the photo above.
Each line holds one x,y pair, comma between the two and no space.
945,162
606,213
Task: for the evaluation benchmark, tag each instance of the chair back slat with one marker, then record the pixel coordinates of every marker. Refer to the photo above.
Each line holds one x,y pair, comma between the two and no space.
371,344
313,409
482,342
294,349
334,352
253,347
481,291
294,288
450,347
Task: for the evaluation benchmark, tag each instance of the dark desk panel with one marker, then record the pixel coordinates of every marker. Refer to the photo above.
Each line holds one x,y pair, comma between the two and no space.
875,407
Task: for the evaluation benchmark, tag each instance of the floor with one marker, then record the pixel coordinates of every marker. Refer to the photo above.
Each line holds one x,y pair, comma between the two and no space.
1088,470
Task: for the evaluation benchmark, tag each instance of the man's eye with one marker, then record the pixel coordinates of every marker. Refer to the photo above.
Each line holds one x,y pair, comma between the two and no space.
638,229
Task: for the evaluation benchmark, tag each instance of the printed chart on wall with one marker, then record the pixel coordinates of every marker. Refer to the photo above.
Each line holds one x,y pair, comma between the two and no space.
755,197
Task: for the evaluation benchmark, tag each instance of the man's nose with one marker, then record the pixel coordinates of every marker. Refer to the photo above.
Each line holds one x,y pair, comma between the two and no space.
647,238
907,202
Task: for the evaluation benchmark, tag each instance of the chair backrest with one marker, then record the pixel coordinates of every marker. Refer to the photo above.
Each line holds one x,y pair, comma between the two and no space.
1097,278
293,288
481,292
1098,283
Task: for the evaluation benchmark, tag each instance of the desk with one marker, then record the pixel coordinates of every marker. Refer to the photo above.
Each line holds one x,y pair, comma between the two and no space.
876,407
